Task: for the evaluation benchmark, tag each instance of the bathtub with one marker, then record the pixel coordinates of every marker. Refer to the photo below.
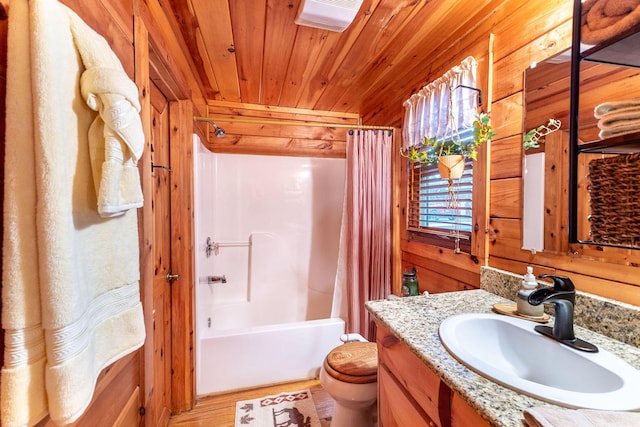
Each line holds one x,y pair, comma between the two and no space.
261,355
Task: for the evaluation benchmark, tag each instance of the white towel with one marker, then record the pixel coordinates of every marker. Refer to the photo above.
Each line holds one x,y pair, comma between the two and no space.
24,354
71,303
617,117
543,416
608,107
619,122
633,128
618,126
116,139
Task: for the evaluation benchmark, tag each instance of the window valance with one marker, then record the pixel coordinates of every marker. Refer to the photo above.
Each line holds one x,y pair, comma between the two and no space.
443,107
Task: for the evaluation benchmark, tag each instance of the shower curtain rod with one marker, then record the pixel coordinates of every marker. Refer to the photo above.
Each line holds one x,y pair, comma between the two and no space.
290,123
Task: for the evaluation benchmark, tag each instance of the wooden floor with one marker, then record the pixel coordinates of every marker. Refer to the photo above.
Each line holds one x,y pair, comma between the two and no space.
219,410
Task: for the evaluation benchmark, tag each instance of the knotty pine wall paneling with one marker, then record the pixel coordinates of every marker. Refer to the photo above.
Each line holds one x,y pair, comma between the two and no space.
528,32
463,269
610,272
270,135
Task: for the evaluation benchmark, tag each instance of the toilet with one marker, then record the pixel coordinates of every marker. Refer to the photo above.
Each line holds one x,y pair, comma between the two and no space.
349,375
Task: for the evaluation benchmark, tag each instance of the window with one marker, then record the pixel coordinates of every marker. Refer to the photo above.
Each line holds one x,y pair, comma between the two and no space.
440,211
431,215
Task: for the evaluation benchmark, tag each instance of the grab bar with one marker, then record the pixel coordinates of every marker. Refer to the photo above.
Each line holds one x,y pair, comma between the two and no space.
214,247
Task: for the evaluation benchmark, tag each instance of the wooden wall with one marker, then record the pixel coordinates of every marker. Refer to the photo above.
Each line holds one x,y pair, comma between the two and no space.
519,32
440,269
609,272
258,129
533,31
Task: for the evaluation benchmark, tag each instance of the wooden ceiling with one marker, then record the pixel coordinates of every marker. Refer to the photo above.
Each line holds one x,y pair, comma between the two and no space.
251,51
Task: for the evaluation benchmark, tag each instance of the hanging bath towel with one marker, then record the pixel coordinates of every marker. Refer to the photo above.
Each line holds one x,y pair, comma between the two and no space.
71,302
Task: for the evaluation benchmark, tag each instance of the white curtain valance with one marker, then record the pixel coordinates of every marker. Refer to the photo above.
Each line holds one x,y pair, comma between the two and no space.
442,107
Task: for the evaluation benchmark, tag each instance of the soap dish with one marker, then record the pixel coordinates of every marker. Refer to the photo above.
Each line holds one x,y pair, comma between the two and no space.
510,309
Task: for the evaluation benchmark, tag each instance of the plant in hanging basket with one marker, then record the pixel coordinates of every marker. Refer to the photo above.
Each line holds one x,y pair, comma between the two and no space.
432,149
451,166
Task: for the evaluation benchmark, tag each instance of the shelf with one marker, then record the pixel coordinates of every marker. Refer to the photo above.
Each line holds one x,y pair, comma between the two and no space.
620,50
623,144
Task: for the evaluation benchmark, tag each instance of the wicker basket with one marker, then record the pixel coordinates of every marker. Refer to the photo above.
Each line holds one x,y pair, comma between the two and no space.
614,192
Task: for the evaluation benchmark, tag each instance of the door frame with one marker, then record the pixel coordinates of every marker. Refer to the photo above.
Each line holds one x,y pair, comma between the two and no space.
182,256
151,66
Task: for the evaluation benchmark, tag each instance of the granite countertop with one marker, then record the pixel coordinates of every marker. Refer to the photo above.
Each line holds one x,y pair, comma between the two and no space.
415,321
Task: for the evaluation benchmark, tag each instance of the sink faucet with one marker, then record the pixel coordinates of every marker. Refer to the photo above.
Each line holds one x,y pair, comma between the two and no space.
563,297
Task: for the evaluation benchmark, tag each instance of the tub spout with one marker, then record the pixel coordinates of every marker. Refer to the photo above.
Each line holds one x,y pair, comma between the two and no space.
217,279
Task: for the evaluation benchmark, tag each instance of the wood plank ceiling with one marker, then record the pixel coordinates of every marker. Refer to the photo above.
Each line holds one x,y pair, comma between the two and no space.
251,51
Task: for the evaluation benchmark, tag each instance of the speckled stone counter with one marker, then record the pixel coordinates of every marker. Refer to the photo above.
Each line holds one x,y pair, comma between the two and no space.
415,321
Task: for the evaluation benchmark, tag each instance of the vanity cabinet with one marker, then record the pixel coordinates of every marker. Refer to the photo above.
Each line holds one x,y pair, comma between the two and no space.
411,394
395,407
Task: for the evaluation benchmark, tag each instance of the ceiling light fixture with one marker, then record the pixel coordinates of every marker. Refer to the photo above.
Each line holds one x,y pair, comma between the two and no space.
332,15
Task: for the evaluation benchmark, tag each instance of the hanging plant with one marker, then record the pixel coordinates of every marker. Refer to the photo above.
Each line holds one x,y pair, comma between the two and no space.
432,148
450,154
451,166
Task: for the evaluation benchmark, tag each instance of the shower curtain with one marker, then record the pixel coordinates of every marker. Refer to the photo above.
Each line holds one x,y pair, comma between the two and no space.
364,263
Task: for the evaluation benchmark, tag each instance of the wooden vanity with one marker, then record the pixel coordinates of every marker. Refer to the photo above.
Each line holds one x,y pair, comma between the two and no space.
410,394
421,384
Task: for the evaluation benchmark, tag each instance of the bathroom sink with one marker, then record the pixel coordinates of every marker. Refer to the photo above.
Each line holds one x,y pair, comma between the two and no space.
508,351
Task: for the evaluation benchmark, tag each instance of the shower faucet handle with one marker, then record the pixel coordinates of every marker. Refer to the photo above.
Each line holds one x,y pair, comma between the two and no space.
211,247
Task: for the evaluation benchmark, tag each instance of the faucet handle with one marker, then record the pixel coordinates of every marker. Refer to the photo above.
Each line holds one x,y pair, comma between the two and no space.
560,283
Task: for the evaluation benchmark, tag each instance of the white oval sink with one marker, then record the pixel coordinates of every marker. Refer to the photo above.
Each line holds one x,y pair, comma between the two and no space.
508,351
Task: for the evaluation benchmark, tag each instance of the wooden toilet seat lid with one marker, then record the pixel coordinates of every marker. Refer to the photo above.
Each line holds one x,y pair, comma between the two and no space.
354,362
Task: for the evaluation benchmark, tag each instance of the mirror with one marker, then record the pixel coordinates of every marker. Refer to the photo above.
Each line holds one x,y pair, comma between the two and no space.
591,218
547,93
546,124
605,135
598,219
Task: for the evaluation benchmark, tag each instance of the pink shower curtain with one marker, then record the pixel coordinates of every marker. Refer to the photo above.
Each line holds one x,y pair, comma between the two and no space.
365,247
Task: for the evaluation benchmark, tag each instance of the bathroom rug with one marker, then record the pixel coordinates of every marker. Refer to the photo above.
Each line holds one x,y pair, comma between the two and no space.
285,409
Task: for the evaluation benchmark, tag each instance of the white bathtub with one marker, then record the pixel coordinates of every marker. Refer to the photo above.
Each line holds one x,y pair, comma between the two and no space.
261,355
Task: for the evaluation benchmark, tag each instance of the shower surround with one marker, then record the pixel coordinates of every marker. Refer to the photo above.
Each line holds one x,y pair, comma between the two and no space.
267,236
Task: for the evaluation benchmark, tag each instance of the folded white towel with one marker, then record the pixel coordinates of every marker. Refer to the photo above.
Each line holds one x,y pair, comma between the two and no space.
612,106
543,416
619,122
116,138
618,118
621,128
